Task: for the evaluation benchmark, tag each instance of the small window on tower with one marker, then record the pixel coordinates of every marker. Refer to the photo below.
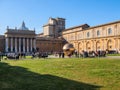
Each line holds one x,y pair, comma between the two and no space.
60,23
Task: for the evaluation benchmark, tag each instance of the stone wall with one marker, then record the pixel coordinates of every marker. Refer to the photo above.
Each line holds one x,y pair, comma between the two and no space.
101,37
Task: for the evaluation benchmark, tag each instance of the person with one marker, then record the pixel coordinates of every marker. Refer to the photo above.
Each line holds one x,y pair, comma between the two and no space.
75,53
60,54
98,53
93,53
0,56
63,54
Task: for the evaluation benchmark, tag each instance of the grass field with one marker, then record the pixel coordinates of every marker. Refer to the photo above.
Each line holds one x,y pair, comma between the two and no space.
60,74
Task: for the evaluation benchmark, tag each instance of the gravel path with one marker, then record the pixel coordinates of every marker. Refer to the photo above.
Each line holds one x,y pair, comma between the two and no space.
116,57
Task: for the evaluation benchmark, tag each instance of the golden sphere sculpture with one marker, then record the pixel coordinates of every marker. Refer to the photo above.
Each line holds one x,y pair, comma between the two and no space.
68,49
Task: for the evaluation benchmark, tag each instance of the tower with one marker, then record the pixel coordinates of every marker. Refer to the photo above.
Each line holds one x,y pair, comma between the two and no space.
54,27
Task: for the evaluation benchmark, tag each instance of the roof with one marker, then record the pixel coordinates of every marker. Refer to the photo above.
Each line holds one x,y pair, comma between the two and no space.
13,31
83,26
48,25
48,39
60,18
104,24
2,36
86,26
40,34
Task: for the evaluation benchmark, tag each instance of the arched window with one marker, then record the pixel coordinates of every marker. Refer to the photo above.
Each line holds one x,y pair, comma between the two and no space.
88,34
109,31
98,33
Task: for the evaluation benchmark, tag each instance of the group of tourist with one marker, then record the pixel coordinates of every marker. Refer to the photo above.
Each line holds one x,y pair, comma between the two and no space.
91,54
40,54
59,54
15,55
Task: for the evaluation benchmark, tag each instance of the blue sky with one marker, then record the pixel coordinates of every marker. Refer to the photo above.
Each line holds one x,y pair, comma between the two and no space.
36,13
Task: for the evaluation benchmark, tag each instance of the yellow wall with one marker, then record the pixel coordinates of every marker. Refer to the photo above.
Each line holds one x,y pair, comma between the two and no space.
103,41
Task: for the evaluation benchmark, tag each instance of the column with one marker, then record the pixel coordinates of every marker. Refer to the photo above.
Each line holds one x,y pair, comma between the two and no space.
115,44
106,46
103,44
83,45
34,44
6,44
15,44
23,44
11,44
19,44
78,46
31,44
119,44
92,45
27,44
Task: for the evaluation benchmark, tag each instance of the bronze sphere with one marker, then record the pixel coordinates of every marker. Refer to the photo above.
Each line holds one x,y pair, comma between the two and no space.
68,49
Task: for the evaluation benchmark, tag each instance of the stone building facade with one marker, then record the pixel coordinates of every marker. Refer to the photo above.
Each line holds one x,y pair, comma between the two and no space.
50,40
49,45
2,43
20,40
102,37
54,27
23,40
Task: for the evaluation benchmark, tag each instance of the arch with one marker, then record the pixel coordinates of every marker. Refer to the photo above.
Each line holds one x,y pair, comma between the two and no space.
110,44
88,46
75,45
80,47
98,45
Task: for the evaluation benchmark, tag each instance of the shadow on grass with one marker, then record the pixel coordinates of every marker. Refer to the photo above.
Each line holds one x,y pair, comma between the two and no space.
19,78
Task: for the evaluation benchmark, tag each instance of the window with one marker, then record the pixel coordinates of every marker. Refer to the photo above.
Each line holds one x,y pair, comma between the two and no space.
109,31
79,36
88,34
61,23
98,33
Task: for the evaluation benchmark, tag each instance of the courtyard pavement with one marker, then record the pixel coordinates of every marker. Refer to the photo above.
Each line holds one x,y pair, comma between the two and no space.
113,57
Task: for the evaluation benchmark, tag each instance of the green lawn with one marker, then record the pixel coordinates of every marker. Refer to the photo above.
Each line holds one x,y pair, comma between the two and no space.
60,74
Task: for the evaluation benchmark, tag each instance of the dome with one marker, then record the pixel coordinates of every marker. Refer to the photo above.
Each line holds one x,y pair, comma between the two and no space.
23,27
68,46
